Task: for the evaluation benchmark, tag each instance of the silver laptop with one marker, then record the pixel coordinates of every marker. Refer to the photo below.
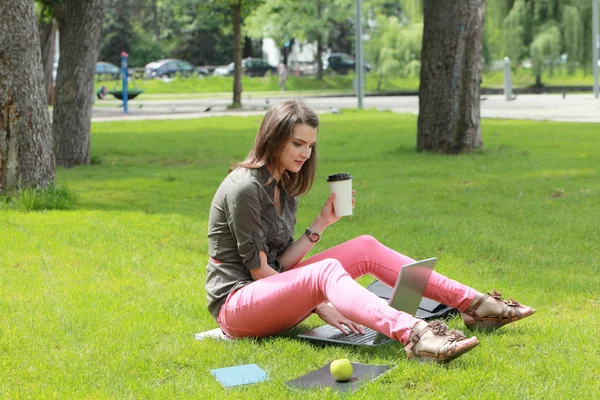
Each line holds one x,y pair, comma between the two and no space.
406,296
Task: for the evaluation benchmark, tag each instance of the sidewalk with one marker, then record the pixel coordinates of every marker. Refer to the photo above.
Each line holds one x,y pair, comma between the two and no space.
551,107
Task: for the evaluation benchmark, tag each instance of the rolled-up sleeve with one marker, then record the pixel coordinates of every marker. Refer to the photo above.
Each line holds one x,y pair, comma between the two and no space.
243,209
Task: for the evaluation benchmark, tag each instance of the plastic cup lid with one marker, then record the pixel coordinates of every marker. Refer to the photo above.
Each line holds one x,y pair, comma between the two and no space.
339,177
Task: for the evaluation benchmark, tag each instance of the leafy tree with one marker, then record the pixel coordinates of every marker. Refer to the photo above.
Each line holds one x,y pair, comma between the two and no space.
117,32
207,37
573,36
395,38
147,13
540,30
310,20
252,47
342,36
516,31
585,12
545,48
194,30
239,11
395,48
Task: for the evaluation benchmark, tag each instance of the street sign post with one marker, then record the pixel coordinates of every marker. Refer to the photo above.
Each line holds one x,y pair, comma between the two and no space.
124,63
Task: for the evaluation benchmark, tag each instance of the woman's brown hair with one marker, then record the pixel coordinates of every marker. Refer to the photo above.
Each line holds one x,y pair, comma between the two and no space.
274,134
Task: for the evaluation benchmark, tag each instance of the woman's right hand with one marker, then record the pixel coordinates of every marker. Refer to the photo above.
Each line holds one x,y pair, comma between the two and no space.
327,215
333,317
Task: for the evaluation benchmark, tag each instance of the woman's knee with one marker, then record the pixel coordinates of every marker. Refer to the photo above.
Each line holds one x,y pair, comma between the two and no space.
329,265
365,244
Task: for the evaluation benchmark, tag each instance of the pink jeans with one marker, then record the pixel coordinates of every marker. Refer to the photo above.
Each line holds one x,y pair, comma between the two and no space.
271,305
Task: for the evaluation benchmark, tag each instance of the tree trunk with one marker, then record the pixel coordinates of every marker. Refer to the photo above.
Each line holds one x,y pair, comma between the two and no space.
73,98
47,30
286,51
155,19
237,55
247,48
26,159
449,110
319,58
319,44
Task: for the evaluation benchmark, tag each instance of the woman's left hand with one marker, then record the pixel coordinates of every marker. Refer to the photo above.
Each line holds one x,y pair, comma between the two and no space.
327,214
333,317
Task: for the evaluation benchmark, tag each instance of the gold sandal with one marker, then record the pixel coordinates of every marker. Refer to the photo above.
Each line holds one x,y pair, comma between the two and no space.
513,311
453,344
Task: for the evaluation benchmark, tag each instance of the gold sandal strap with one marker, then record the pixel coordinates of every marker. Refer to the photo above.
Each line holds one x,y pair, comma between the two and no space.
415,337
511,312
472,310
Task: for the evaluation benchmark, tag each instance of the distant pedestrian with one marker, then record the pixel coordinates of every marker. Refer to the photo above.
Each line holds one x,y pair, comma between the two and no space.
101,93
283,72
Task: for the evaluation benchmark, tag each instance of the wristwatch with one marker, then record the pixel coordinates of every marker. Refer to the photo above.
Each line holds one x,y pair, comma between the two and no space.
314,237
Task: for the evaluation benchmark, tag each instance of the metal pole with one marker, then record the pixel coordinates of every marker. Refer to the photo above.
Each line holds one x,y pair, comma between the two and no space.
595,45
359,55
124,94
507,80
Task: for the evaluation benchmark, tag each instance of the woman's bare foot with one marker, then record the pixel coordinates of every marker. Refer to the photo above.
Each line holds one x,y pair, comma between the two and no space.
490,311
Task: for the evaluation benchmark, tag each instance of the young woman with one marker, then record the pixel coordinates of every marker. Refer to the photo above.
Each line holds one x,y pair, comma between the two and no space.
257,284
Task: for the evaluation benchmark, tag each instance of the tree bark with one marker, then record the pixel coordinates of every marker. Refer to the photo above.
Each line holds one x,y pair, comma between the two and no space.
319,58
237,54
155,19
449,108
26,159
286,50
320,44
247,47
47,30
80,29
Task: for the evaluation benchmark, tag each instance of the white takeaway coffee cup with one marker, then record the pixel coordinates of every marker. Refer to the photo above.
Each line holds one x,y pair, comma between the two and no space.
341,185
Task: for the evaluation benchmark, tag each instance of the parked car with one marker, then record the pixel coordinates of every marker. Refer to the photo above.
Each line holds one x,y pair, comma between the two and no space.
342,63
106,70
257,67
250,67
201,71
169,68
224,70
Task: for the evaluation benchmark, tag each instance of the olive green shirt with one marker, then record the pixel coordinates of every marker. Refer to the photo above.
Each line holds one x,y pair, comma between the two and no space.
243,220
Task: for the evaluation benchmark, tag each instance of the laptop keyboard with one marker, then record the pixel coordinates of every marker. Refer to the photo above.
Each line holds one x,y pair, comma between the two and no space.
368,337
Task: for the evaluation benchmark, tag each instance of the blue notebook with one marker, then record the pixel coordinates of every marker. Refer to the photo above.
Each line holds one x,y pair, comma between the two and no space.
239,375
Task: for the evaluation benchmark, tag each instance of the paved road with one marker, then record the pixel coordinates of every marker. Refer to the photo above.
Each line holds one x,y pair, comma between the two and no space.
553,107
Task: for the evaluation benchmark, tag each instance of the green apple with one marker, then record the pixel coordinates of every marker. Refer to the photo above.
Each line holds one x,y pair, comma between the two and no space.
341,369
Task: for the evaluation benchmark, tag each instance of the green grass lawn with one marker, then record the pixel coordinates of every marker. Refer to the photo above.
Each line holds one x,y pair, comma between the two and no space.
331,84
103,301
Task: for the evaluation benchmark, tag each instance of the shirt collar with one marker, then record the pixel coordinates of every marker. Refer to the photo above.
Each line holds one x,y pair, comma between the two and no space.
264,175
